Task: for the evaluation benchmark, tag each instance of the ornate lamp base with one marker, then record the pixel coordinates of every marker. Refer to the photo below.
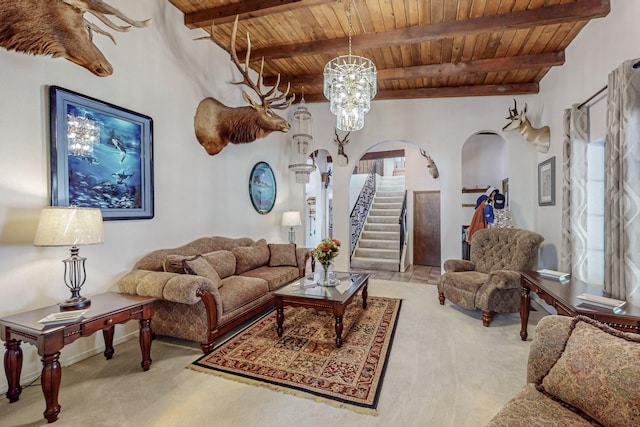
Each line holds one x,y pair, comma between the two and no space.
74,303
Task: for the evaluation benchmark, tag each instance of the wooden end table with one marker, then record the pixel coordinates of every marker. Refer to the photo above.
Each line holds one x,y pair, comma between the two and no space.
306,293
563,296
106,310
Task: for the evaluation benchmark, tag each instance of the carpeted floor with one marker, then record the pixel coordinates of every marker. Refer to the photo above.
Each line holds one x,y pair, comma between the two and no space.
305,361
445,369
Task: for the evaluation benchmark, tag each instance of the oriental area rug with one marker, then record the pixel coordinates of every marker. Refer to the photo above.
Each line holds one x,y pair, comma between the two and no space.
305,360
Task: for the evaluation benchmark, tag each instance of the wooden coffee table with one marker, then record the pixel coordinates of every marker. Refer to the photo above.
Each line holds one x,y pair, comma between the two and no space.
306,293
563,296
106,310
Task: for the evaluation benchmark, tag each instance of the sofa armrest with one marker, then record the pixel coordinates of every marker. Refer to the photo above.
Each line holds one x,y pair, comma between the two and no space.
455,265
174,287
302,256
552,333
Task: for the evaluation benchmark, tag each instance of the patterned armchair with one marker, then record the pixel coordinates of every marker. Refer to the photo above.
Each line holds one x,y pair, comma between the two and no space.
490,281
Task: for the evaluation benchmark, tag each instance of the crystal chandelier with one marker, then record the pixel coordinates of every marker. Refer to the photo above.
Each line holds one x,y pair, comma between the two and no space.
82,134
350,85
302,143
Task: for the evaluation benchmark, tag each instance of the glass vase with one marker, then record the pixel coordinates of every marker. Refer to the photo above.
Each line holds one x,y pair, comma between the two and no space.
325,278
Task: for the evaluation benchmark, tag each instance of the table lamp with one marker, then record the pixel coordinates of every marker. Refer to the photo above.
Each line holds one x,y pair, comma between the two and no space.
291,219
71,226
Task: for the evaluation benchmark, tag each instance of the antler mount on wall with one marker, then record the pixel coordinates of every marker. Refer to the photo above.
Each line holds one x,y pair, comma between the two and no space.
539,137
59,28
216,125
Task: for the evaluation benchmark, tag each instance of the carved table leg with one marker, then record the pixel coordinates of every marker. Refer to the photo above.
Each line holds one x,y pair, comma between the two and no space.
13,369
145,343
279,315
365,293
525,307
107,333
339,327
51,376
441,298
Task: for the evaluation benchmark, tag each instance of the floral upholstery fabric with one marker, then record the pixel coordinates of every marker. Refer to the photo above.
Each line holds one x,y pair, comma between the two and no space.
531,408
282,254
490,280
236,291
580,372
224,262
174,263
155,260
200,267
184,310
254,256
276,277
598,373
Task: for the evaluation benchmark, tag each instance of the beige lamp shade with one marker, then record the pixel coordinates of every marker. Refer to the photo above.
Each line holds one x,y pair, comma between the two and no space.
291,219
69,226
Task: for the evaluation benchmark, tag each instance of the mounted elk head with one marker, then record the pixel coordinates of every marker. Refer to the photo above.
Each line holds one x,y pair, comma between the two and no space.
216,124
431,165
540,138
343,159
58,28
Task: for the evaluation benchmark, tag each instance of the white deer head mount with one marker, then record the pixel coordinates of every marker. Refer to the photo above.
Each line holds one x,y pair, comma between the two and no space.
343,159
431,165
216,124
540,138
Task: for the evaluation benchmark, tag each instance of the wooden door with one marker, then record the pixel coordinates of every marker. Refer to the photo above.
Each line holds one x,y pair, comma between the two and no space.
426,228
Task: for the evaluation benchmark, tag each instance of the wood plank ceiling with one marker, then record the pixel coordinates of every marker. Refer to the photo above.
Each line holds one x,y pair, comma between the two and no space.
422,48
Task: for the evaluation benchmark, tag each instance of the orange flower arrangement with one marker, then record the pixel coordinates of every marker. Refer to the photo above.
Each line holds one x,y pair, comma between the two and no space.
326,251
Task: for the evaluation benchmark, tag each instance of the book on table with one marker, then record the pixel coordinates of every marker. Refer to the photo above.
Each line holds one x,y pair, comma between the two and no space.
602,301
555,275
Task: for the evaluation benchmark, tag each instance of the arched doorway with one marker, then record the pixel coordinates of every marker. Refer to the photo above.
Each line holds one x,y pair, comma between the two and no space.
484,164
399,161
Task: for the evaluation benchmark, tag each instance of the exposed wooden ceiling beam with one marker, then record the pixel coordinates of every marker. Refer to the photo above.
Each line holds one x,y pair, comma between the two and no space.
245,10
481,66
549,15
447,92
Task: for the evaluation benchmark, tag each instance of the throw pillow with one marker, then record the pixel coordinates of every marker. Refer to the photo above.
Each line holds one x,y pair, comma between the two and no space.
173,263
598,373
281,254
250,257
200,267
224,262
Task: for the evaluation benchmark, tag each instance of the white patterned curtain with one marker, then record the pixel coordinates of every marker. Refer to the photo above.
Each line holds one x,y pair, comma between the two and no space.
573,258
622,185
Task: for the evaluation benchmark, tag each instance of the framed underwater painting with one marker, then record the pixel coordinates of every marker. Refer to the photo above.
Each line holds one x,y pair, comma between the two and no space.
262,188
101,156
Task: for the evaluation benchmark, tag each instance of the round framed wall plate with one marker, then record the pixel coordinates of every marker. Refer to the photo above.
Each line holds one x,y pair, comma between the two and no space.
262,188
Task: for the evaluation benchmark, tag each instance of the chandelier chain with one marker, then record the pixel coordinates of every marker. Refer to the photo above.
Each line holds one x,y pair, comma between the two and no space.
350,24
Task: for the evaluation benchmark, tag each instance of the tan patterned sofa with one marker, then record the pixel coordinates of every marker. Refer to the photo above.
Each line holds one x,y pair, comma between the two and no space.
212,284
580,373
490,281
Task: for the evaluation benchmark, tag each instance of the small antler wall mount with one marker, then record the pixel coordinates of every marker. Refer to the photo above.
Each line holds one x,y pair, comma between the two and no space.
540,138
431,165
343,159
59,28
216,125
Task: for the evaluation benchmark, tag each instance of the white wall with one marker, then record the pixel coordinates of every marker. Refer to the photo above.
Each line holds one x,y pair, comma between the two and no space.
161,72
599,48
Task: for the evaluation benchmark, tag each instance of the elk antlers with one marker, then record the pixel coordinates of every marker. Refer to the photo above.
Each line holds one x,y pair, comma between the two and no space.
216,124
343,159
256,86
